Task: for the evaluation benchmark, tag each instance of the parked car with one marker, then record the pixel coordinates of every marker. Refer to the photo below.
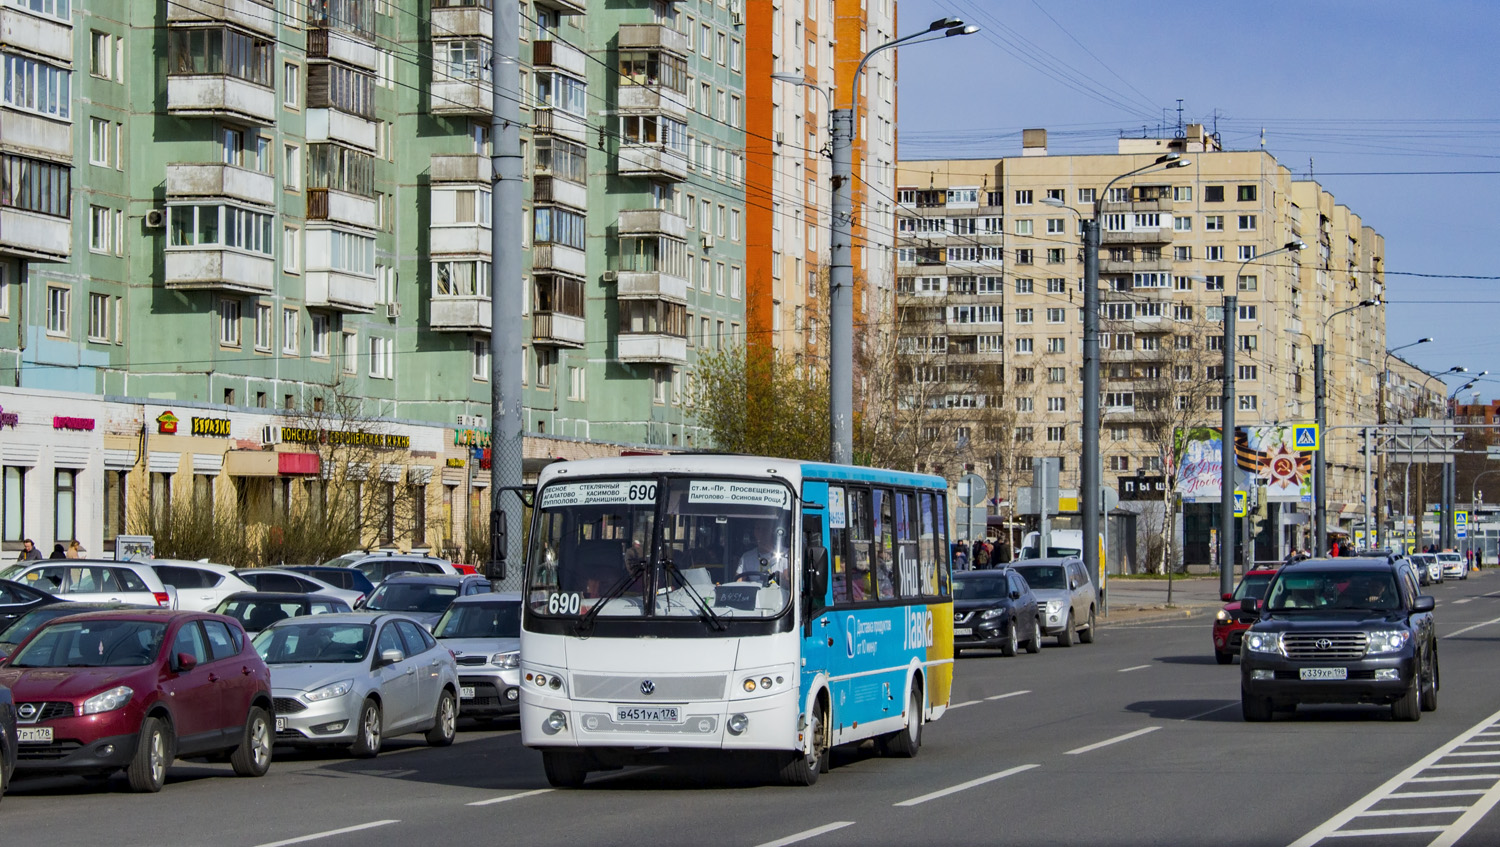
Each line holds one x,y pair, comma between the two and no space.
13,633
1068,599
1230,623
200,586
256,610
378,566
17,599
484,633
7,738
356,679
995,609
423,597
98,581
290,582
1341,631
1429,569
1453,565
348,579
132,690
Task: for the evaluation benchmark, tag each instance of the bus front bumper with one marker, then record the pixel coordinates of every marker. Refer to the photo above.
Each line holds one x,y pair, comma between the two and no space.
768,722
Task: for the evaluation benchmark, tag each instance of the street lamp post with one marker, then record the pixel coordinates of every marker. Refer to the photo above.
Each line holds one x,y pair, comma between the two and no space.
1422,477
1320,475
1380,493
843,130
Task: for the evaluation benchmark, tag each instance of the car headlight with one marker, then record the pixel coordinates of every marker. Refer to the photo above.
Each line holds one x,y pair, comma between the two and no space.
1263,642
507,661
107,701
1053,606
991,614
1387,641
1223,617
328,692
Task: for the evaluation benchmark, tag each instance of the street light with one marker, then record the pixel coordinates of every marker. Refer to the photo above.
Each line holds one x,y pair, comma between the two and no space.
1383,415
1320,492
1456,369
843,130
799,79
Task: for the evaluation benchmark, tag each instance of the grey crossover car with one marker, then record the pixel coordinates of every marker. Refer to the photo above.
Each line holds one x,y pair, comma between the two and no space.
484,633
1067,598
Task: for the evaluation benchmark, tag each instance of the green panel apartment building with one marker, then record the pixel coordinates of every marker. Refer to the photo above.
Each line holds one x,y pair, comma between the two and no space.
271,210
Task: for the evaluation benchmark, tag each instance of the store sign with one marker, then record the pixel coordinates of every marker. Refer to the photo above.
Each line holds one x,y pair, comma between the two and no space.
455,463
8,419
299,435
74,424
166,423
217,427
478,438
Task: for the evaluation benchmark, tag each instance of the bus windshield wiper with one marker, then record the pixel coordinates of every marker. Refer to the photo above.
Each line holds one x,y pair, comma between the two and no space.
709,616
586,622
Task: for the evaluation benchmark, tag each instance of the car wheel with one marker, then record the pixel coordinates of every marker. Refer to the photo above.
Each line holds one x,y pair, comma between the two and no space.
1223,658
1009,647
367,734
905,743
802,767
445,723
253,756
1035,644
1087,636
564,768
1065,635
1430,687
153,752
1409,707
1255,709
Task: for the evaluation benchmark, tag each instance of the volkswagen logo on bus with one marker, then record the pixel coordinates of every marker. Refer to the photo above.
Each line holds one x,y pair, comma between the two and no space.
647,687
1324,644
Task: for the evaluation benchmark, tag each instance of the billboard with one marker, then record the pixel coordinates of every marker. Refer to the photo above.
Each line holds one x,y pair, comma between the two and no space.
1266,454
1200,468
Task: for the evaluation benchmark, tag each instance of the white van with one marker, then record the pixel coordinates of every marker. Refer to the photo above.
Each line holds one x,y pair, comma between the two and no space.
1063,542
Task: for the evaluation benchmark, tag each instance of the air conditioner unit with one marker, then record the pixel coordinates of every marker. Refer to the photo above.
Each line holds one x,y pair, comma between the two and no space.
156,218
738,18
270,434
609,276
708,242
393,310
780,137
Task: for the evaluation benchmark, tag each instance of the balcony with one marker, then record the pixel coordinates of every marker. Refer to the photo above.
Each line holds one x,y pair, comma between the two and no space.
566,7
328,204
653,99
219,269
31,134
652,161
339,290
557,329
35,236
460,314
652,285
1139,236
253,15
460,240
1111,266
460,97
220,95
652,347
551,189
454,21
337,125
546,119
219,180
653,37
558,257
560,55
332,44
647,221
461,168
1160,204
43,36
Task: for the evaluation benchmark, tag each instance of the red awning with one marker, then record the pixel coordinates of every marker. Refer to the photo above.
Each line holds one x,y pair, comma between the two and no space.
298,463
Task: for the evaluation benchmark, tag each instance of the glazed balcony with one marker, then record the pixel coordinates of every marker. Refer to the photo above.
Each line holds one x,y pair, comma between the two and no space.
329,204
29,134
37,34
557,122
549,53
334,44
35,236
557,329
460,314
461,168
653,37
258,16
652,347
220,180
223,96
217,268
654,161
551,189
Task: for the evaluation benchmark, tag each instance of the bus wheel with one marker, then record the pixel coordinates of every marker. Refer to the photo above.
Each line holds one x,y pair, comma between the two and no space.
565,769
803,767
904,743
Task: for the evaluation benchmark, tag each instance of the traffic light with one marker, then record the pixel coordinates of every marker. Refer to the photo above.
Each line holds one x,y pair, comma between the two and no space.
1258,517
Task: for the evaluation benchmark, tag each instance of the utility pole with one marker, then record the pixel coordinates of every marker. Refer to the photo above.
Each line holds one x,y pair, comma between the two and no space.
1369,527
1320,489
1226,454
1090,498
507,333
841,291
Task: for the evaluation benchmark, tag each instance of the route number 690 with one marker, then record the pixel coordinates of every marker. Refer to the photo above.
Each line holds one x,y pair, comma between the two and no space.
563,604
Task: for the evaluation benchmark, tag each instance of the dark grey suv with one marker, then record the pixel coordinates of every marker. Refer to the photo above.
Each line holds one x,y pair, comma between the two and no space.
423,597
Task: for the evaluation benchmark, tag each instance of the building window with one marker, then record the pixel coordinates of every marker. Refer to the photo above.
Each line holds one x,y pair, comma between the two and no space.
1182,223
33,185
290,331
577,384
1057,315
99,220
351,352
320,332
1248,403
58,307
35,86
262,327
1023,404
291,249
1056,375
14,505
382,357
64,500
1023,197
1246,194
482,360
1213,223
214,225
291,167
1247,223
100,132
1057,345
1057,433
227,52
229,322
1119,463
114,504
291,85
99,317
1057,404
1023,345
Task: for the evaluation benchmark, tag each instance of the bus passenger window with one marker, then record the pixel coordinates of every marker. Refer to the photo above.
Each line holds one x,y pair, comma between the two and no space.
861,587
926,547
885,546
838,555
940,514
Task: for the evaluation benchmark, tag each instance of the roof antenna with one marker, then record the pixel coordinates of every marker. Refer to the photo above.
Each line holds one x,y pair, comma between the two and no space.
1310,168
1262,138
1181,133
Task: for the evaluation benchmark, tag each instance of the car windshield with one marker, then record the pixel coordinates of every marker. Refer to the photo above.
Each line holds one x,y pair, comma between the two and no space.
257,614
1334,590
344,561
26,624
1045,576
1253,585
92,644
480,620
11,572
315,643
726,547
980,587
1450,557
411,597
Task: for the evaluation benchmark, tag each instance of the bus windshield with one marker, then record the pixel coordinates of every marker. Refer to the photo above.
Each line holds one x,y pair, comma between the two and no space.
723,545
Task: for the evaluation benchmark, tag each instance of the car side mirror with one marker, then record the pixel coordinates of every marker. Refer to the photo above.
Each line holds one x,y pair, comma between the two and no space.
817,574
1227,596
1015,595
184,662
1425,603
390,657
499,539
1250,604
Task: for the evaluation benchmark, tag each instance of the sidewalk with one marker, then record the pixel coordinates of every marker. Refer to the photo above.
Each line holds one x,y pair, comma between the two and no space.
1135,601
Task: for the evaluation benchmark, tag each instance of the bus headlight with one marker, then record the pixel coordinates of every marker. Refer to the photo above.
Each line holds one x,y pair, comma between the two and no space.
737,724
555,723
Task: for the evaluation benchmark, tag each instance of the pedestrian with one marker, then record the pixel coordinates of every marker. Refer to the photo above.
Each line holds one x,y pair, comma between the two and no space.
75,550
961,556
981,555
29,551
58,552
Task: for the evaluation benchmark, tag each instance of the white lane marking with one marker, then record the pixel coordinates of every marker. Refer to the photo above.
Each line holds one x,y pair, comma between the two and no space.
1477,752
1462,601
328,834
1333,827
1462,765
1430,810
1011,694
963,786
507,798
1470,628
1211,711
1483,743
806,834
1402,795
1108,741
964,703
1134,668
1394,830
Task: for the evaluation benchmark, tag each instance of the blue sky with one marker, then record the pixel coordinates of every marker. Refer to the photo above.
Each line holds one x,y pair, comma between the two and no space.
1363,93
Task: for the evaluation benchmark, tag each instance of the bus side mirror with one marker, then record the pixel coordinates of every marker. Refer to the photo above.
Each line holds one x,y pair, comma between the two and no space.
498,538
817,574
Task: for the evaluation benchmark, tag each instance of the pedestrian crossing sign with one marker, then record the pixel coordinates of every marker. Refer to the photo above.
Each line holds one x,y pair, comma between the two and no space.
1239,504
1305,437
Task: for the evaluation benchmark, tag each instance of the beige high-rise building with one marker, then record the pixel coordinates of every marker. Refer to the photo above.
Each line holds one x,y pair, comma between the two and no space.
990,276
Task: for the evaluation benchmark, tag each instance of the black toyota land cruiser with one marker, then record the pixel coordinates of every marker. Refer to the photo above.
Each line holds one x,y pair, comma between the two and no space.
1341,631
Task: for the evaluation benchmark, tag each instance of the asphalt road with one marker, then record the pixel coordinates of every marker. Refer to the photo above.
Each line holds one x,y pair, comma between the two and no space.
1133,740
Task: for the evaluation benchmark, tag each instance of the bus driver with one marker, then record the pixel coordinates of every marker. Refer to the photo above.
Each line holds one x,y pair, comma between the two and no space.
766,557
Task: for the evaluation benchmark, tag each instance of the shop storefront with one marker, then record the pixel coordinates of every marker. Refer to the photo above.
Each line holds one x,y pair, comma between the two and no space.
51,470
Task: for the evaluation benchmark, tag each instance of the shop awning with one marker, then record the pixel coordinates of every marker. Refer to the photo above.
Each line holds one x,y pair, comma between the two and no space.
261,463
299,463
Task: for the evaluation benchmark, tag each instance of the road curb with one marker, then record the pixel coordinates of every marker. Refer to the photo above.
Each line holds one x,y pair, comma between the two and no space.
1155,616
